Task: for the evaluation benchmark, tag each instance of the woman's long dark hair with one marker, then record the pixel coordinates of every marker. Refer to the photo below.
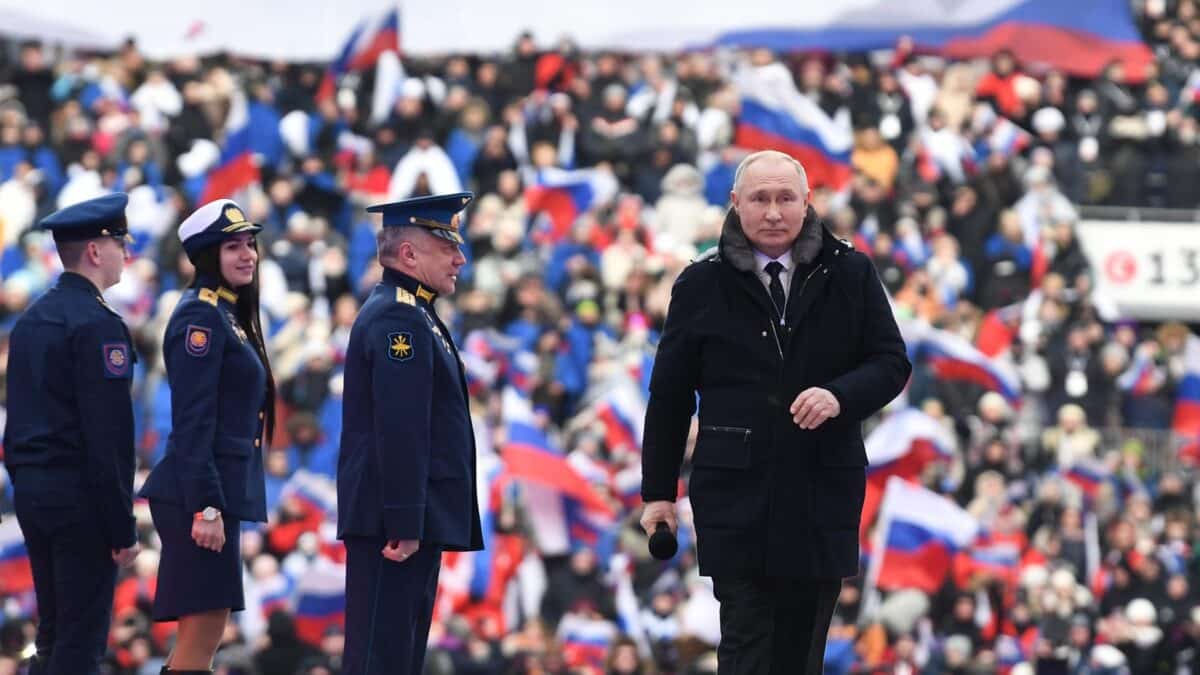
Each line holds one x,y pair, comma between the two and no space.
208,264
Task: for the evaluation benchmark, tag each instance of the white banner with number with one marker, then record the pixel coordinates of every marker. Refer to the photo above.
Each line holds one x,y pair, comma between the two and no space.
1150,270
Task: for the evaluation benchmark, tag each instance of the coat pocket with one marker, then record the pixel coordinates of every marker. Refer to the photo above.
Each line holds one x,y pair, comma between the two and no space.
725,492
720,447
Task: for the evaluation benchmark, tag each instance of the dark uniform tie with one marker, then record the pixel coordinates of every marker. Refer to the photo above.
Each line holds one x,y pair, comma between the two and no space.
773,268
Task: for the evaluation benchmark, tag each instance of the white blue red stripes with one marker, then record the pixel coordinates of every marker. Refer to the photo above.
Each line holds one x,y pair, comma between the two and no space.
1187,401
1053,32
564,195
776,116
905,443
321,599
16,576
362,49
236,167
952,357
920,531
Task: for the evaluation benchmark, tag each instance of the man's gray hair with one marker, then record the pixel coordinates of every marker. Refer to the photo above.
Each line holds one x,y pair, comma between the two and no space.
770,154
388,241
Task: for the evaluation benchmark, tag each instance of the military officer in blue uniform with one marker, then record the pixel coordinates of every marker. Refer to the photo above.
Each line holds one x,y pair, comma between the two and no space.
222,402
69,438
406,469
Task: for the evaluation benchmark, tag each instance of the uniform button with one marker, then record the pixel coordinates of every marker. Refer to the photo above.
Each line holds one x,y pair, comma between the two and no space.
764,333
257,442
260,414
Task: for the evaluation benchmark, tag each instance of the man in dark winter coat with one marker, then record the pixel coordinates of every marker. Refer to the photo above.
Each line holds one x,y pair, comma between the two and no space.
787,335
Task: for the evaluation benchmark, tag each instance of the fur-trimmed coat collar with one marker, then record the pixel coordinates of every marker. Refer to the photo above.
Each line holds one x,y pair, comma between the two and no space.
736,248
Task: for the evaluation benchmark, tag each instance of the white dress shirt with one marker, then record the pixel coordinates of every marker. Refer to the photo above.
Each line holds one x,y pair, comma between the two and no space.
785,277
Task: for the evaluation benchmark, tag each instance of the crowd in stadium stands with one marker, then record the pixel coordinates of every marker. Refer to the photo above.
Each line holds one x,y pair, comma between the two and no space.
966,177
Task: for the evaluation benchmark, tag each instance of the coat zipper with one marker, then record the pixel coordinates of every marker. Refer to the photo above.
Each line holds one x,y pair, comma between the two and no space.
736,430
786,304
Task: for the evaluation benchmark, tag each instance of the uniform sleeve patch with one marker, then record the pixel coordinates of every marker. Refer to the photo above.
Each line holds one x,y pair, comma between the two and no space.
198,340
399,346
116,359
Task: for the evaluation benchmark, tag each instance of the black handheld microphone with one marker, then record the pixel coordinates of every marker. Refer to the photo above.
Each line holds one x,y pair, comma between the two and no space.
663,544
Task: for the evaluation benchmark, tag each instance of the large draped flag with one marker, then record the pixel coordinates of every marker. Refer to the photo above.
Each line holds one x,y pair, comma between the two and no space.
920,532
776,116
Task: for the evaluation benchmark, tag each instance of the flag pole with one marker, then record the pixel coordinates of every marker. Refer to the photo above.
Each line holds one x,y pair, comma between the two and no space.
871,599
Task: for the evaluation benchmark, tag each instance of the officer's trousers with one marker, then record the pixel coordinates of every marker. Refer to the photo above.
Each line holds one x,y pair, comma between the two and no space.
74,576
389,606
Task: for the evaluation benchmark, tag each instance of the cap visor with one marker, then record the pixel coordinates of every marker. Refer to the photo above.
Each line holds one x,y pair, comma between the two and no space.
238,228
446,234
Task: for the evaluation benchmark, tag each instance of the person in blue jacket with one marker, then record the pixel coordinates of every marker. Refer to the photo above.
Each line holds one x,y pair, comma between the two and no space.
68,442
222,403
406,467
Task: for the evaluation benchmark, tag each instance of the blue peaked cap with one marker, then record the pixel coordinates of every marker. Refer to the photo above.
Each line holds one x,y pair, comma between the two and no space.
436,213
98,217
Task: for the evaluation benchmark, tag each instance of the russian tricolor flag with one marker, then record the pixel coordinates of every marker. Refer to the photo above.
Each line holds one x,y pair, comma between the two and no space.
314,489
776,116
237,166
905,443
1088,476
1142,377
496,357
591,528
952,357
491,481
564,195
1187,401
1005,138
16,576
371,38
920,531
585,641
995,557
622,410
321,599
274,594
565,508
529,456
481,374
1057,33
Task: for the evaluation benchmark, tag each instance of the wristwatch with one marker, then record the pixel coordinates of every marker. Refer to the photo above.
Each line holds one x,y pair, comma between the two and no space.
209,514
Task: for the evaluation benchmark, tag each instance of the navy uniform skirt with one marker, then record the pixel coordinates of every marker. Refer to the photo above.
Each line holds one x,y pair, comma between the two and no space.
193,579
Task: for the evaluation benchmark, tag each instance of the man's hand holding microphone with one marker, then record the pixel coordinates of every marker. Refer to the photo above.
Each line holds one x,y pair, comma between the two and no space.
658,520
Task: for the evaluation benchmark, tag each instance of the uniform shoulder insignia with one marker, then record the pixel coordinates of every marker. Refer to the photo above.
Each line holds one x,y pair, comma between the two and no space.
116,359
208,295
711,254
404,297
197,340
400,346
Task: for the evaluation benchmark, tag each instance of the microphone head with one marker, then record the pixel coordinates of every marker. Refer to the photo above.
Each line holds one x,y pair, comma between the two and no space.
663,544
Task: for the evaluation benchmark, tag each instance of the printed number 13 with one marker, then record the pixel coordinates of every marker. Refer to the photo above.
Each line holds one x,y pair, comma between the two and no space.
1190,262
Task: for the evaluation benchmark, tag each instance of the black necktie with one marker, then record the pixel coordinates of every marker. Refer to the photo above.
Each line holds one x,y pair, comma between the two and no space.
773,268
